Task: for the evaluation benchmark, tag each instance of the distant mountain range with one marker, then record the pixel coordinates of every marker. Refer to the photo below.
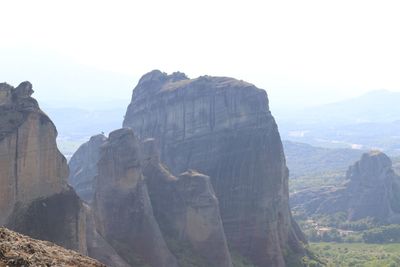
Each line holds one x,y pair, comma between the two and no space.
371,121
369,126
380,106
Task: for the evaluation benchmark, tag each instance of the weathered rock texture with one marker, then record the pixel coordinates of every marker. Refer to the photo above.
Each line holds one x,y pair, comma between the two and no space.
223,128
372,189
83,167
123,211
187,210
20,250
34,196
98,248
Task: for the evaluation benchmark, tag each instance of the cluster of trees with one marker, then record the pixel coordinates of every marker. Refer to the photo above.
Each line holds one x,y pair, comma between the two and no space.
339,221
384,234
377,235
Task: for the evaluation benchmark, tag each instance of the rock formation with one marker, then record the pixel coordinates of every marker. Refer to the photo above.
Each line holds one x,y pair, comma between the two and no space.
187,210
20,250
98,248
371,189
34,196
123,211
223,128
83,167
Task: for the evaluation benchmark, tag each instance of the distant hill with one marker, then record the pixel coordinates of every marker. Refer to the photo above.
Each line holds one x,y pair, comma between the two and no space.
371,121
376,106
306,160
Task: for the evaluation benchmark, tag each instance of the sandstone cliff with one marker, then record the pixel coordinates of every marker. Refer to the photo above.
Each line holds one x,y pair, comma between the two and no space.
19,250
98,248
123,211
223,128
34,196
187,210
83,167
372,189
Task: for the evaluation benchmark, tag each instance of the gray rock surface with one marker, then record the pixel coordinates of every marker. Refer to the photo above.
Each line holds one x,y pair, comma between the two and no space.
371,189
187,210
83,167
122,207
185,207
98,248
223,128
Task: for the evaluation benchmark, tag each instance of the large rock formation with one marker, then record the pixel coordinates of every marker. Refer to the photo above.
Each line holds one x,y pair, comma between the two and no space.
187,210
185,207
223,128
371,189
34,196
83,167
20,250
123,211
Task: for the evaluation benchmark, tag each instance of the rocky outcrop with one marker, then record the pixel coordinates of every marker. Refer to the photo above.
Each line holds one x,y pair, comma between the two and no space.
123,211
185,207
371,189
187,210
20,250
83,167
98,248
34,196
223,128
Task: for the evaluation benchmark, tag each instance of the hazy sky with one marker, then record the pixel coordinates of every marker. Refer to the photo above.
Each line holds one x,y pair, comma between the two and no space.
300,51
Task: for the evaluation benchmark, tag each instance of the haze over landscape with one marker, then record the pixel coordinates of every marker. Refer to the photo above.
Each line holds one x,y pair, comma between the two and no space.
306,53
193,134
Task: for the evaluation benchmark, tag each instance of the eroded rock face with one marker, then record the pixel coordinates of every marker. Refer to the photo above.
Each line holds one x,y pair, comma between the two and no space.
187,210
372,189
33,173
83,167
98,247
123,211
59,218
223,128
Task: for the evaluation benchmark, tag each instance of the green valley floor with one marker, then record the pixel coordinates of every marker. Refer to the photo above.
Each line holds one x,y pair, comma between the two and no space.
357,254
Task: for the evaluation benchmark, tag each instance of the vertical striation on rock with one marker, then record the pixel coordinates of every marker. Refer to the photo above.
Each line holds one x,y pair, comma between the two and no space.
123,212
187,210
374,188
33,173
98,248
223,128
83,167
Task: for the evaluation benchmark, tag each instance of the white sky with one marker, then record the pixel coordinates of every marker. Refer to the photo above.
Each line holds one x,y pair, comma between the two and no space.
298,50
